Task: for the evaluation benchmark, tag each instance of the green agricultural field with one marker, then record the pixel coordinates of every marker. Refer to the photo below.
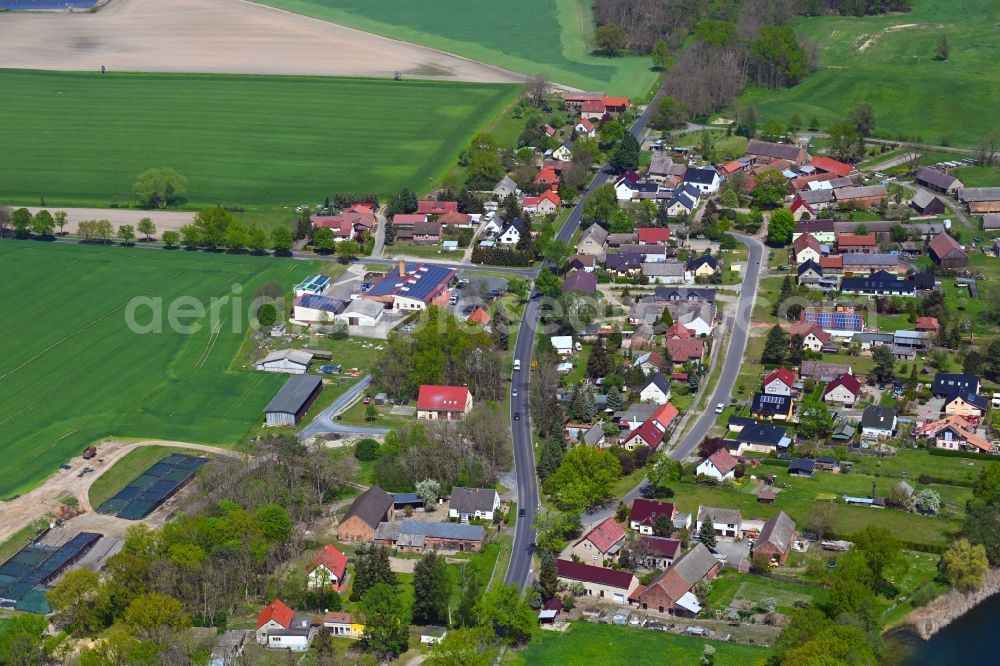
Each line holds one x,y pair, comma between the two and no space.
72,371
80,138
550,37
890,62
585,644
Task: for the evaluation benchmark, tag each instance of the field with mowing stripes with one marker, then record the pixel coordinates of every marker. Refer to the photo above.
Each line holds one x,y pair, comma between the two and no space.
71,370
80,138
889,61
550,37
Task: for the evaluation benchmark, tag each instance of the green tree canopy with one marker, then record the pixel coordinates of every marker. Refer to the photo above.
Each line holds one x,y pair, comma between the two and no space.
158,188
584,478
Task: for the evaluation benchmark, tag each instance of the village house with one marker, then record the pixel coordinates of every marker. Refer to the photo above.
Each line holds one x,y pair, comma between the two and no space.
327,568
666,272
822,230
510,234
473,503
814,338
682,204
967,404
653,235
672,592
938,181
611,584
878,423
650,363
649,433
644,513
780,382
592,241
431,207
776,538
704,266
727,523
655,552
705,179
582,262
721,466
344,625
580,281
772,407
696,316
806,248
682,350
278,627
954,433
845,391
601,543
371,507
759,438
505,188
823,371
545,203
443,403
412,287
832,166
585,128
809,272
880,283
948,383
981,199
656,390
861,195
945,251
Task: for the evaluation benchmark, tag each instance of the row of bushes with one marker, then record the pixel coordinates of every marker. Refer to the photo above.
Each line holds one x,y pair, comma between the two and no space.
950,453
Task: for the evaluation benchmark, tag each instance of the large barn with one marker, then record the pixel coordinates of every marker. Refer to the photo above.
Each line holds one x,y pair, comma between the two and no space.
293,400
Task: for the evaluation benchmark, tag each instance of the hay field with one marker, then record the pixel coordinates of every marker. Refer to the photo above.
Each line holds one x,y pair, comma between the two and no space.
890,62
80,139
553,37
71,370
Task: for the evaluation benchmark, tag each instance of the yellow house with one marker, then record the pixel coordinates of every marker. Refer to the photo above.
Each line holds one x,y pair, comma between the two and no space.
357,630
704,266
968,405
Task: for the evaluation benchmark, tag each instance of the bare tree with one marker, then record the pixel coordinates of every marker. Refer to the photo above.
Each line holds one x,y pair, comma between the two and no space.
538,88
986,152
5,218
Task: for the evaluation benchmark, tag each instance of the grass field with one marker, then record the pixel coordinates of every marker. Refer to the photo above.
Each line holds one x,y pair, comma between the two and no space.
128,469
890,62
550,37
585,644
72,371
80,138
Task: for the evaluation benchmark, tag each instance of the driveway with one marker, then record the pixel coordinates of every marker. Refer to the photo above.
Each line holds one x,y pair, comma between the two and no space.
325,422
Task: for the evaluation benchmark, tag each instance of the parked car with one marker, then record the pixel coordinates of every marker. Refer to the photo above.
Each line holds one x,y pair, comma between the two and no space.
719,408
368,400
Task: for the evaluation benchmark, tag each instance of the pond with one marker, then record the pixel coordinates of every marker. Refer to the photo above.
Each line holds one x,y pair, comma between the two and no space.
967,640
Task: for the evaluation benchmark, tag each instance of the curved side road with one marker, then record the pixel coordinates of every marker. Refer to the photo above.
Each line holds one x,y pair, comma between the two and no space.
325,421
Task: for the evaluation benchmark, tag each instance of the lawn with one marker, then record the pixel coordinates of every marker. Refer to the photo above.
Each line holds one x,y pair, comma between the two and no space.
889,61
127,469
549,37
587,644
73,371
978,176
81,138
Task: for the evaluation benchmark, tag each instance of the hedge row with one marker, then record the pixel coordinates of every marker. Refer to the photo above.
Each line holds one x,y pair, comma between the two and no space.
950,453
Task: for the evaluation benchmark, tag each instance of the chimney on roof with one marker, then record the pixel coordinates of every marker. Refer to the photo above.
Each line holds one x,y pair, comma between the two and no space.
402,267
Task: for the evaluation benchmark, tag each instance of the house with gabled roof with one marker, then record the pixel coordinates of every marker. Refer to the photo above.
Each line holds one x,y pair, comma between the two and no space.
948,383
777,151
705,179
844,390
278,627
806,247
443,403
926,203
721,466
955,433
366,512
645,511
727,523
581,281
547,176
327,568
505,188
545,203
860,243
657,552
967,404
672,591
592,241
823,231
586,128
611,584
600,543
656,390
829,165
469,503
776,538
772,407
809,272
704,266
813,337
759,438
682,350
511,232
878,423
780,382
653,235
649,433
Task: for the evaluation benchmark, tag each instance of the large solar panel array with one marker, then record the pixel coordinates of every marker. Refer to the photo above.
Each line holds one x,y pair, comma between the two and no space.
24,576
834,321
420,282
153,487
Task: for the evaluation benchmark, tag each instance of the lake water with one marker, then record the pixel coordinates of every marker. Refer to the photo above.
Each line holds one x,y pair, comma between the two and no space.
968,640
46,4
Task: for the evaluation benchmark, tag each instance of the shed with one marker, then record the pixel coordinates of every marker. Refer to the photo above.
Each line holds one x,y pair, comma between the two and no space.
293,400
802,467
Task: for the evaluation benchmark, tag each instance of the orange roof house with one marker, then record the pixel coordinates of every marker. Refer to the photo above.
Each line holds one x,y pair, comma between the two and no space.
832,166
443,403
547,176
479,316
327,567
429,207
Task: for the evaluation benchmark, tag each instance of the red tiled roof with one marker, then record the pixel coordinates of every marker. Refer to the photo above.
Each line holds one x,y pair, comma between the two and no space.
665,415
586,124
786,376
653,235
592,106
723,461
856,240
833,261
428,207
849,382
336,223
408,219
337,618
442,398
479,316
600,575
661,545
804,241
454,217
615,101
804,328
547,194
650,432
942,244
332,559
831,165
678,330
684,350
547,175
645,511
277,611
605,535
927,324
730,167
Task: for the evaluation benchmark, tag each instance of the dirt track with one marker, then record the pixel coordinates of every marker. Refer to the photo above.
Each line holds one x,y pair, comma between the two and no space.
165,220
219,36
64,482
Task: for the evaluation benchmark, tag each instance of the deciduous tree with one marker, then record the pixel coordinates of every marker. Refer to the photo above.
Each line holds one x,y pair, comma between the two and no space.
158,188
964,566
386,628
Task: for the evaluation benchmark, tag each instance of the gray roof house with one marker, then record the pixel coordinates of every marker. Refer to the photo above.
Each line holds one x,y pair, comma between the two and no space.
473,503
505,187
592,241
